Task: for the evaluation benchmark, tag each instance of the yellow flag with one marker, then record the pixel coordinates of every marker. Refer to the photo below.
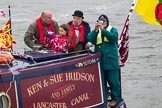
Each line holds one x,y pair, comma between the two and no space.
6,39
6,26
2,42
150,11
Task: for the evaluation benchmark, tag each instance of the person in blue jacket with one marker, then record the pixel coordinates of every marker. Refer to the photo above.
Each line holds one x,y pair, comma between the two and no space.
105,38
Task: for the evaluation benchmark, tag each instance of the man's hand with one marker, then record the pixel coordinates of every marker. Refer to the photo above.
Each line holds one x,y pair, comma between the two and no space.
89,44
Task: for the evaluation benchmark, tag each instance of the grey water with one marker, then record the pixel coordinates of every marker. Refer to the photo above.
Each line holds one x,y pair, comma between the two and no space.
142,73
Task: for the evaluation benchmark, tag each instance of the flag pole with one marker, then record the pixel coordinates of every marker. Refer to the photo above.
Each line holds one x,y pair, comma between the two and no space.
9,11
127,19
124,30
123,39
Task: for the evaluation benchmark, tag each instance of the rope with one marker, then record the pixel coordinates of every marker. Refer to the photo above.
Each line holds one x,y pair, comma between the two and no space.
13,75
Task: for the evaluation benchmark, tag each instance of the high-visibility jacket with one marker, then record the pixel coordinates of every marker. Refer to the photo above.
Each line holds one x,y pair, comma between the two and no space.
105,41
99,37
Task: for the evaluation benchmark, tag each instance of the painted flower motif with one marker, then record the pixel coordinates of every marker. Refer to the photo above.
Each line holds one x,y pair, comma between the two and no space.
158,12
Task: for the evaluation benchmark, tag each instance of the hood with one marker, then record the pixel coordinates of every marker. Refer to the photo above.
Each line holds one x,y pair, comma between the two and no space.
104,17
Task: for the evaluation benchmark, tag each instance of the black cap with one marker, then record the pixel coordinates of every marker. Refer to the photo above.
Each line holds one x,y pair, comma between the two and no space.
78,13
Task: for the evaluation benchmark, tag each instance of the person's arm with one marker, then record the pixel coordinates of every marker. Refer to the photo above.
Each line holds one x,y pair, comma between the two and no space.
56,27
112,36
28,39
92,36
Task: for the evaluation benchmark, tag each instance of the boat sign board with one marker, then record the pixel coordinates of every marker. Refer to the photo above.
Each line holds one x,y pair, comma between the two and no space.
75,83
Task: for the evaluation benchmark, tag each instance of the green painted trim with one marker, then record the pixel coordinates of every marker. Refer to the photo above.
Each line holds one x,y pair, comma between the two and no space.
158,21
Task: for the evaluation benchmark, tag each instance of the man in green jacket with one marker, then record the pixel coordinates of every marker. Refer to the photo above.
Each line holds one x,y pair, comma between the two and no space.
37,31
105,38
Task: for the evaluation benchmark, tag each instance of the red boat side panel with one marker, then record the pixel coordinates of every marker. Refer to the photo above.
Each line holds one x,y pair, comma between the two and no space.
76,88
8,94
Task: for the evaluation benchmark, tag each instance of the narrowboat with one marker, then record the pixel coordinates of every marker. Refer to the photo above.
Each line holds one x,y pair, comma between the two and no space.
53,80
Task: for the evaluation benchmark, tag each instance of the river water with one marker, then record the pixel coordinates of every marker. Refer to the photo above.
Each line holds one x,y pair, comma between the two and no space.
142,73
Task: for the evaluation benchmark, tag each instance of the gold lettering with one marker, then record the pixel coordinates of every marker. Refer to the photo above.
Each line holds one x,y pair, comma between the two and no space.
49,105
80,99
56,78
45,83
34,88
68,89
69,76
55,95
64,92
75,76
